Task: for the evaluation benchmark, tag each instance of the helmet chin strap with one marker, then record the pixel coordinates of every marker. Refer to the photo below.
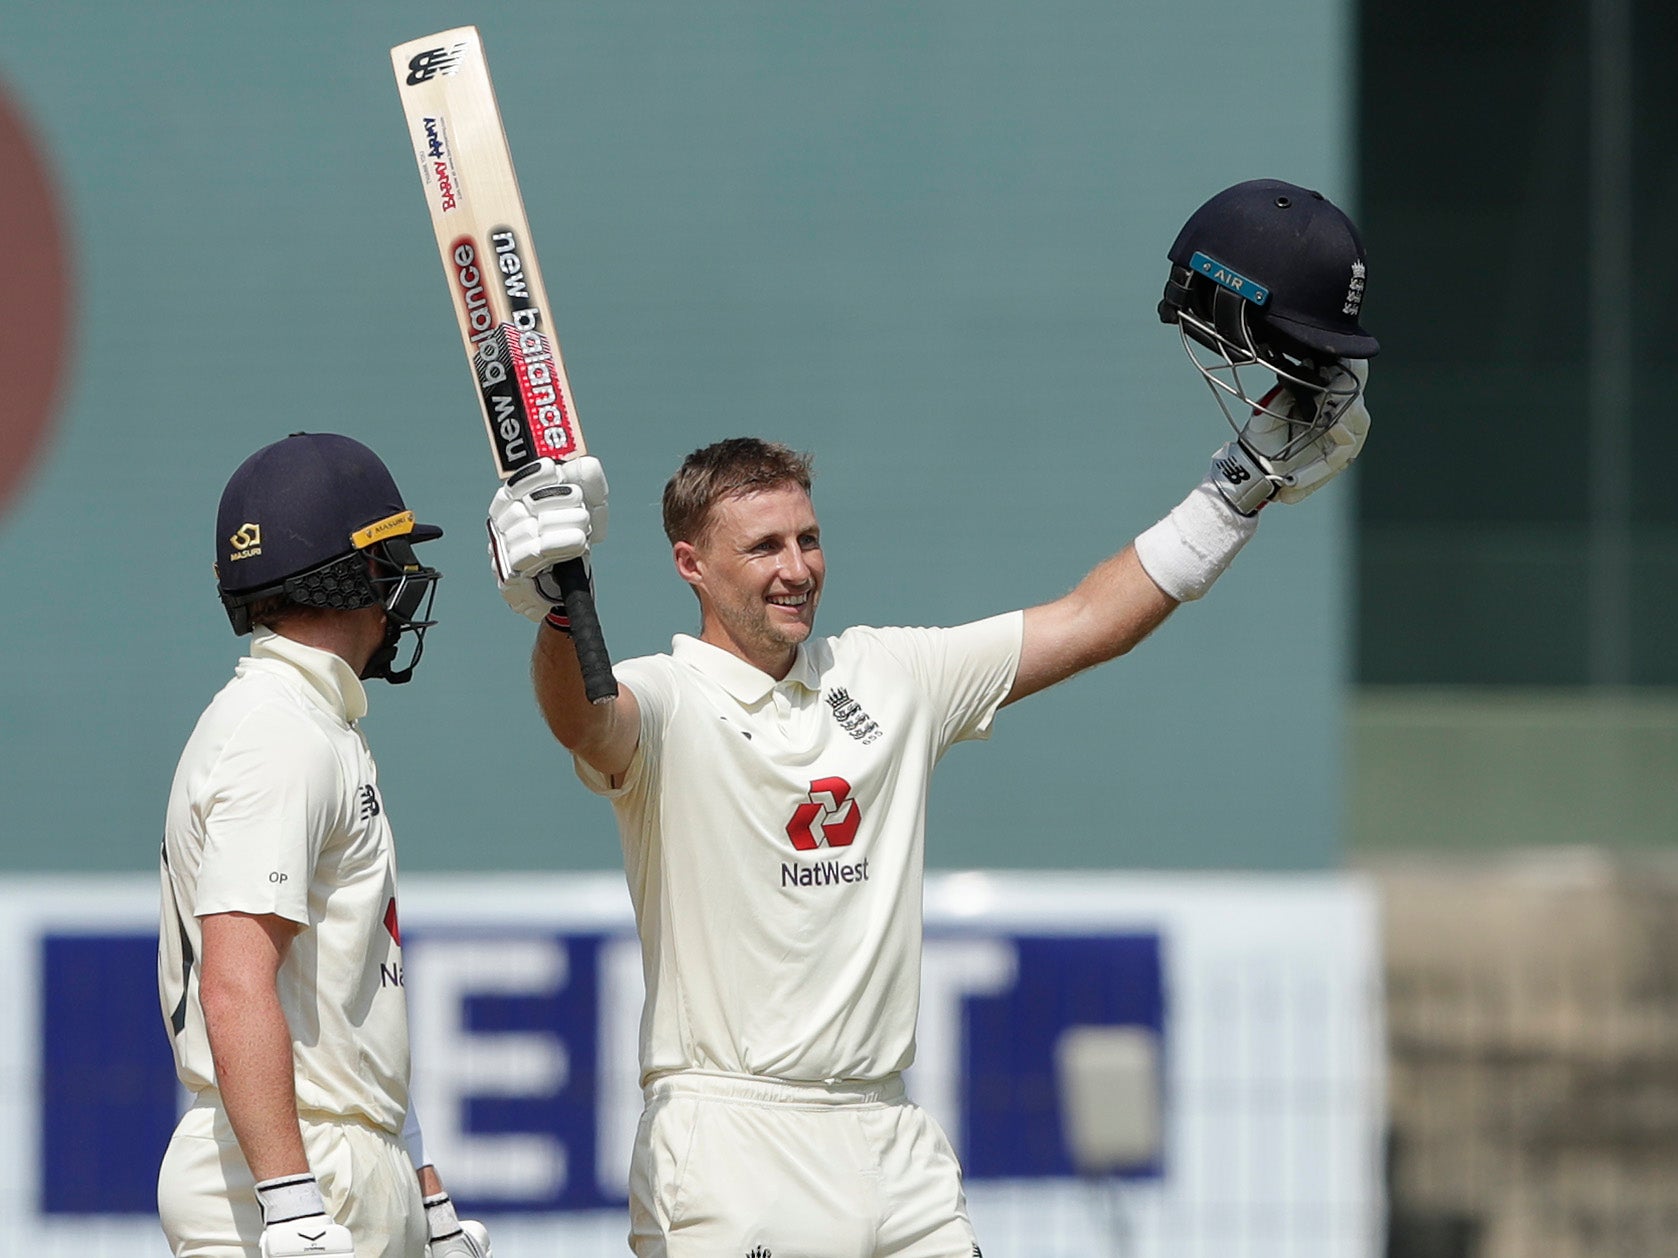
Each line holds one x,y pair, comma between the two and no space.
378,667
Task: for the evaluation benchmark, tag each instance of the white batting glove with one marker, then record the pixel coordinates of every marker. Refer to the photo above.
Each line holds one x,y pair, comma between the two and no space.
1339,413
295,1221
453,1237
313,1237
546,514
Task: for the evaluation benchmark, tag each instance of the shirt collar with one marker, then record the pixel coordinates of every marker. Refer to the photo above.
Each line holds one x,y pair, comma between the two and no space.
330,680
746,682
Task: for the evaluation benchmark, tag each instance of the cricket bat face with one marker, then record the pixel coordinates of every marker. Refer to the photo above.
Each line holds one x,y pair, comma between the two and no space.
483,239
477,215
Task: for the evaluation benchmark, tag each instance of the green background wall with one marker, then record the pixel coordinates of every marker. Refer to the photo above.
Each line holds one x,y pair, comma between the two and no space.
1517,533
922,240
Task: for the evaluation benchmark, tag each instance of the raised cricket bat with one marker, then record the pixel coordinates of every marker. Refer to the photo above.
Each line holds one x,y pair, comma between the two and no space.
484,241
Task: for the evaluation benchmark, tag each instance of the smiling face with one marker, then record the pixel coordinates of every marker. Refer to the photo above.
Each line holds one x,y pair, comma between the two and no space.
758,570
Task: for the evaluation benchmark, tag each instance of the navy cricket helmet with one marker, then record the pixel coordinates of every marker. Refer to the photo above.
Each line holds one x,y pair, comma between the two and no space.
302,517
1268,274
1292,265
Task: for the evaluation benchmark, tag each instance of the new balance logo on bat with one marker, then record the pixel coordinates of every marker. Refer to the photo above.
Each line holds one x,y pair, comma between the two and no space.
425,66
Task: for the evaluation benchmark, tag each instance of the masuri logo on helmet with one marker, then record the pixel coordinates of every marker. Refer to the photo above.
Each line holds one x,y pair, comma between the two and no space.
247,542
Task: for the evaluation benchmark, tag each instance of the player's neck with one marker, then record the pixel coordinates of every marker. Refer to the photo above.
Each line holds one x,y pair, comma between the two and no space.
776,660
348,635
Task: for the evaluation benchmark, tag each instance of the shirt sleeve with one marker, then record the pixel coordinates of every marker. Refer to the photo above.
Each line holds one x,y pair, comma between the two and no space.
273,798
964,672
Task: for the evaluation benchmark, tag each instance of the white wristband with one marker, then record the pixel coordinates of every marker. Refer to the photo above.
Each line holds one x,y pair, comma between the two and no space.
290,1197
414,1139
1190,548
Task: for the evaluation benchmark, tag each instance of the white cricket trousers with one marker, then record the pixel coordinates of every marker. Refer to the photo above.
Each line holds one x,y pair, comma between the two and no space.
206,1197
726,1164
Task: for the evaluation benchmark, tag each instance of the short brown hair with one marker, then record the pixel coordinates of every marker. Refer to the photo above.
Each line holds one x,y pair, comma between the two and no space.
739,465
274,610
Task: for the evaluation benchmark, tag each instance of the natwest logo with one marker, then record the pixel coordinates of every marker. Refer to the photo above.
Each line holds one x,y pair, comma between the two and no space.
829,816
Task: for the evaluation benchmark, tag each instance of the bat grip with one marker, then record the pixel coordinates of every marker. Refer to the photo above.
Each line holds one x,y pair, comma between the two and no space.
592,656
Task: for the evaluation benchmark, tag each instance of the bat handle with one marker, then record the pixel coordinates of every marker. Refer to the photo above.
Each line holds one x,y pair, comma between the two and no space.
592,656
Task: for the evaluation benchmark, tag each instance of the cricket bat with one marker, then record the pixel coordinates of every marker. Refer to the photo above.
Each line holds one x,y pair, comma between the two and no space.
483,238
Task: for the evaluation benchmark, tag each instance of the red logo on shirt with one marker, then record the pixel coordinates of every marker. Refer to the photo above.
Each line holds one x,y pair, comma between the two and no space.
830,809
390,922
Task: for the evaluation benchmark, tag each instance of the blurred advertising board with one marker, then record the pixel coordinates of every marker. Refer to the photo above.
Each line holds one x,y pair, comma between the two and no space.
1155,1063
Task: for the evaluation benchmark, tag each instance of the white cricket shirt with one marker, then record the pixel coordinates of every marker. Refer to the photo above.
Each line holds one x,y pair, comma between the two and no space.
773,840
275,808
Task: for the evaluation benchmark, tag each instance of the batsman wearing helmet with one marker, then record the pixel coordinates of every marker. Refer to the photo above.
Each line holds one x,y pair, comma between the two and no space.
280,953
770,785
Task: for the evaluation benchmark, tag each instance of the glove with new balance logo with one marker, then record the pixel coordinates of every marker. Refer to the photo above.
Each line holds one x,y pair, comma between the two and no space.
1292,446
1239,478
